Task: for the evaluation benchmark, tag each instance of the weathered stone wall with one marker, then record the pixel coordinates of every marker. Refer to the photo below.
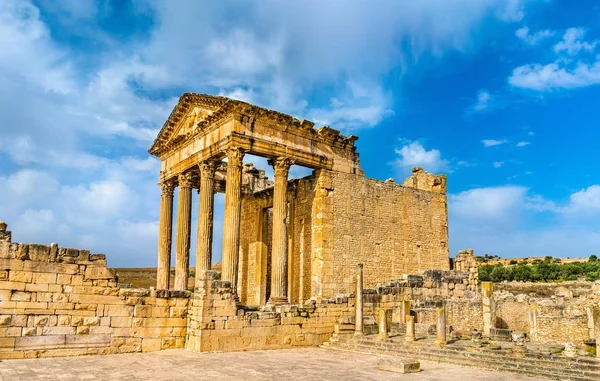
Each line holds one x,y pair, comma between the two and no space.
218,323
391,229
337,220
548,312
61,302
512,312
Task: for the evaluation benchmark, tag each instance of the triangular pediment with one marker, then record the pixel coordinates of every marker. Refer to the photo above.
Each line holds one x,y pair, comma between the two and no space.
187,115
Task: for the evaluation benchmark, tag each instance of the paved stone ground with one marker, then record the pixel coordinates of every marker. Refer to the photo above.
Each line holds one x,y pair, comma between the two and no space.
295,364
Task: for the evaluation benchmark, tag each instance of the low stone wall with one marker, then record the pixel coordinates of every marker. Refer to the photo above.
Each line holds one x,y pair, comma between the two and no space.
217,322
62,302
549,313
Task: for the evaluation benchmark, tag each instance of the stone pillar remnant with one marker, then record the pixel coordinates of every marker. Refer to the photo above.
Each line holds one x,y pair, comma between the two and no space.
358,330
182,239
231,220
382,324
440,314
165,229
596,315
487,289
205,218
279,269
410,328
404,311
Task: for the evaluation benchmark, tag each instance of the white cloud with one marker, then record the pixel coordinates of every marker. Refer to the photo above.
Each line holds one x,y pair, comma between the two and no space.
555,76
490,204
523,144
413,154
585,202
567,72
533,39
572,42
493,142
513,11
483,101
498,164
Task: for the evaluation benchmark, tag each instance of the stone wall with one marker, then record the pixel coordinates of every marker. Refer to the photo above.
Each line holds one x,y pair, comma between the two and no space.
391,229
337,220
62,302
217,322
548,312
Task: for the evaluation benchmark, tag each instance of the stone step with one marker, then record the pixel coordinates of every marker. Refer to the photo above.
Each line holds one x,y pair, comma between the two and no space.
570,367
532,365
496,366
580,363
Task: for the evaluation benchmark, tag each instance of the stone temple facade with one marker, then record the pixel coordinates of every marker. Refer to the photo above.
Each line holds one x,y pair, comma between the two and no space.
289,241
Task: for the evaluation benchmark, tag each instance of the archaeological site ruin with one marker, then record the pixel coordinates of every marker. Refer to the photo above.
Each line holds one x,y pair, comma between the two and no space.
334,259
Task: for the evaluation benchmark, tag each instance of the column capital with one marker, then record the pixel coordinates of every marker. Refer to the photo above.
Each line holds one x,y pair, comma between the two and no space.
185,180
167,187
281,165
207,169
235,156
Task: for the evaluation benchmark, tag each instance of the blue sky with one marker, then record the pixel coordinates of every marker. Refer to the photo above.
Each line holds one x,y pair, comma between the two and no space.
502,95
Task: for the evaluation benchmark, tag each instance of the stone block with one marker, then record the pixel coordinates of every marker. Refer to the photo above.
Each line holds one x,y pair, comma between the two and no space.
18,321
121,322
58,331
47,278
32,287
95,273
87,341
399,366
39,252
118,311
151,344
91,321
19,296
142,311
7,342
39,342
17,286
5,320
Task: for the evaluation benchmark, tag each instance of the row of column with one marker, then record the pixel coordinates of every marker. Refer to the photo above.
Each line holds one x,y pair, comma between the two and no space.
231,227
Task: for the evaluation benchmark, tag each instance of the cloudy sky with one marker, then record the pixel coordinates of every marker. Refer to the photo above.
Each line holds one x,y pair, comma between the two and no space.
502,95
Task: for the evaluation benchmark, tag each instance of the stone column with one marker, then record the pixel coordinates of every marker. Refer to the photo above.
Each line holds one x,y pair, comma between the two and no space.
410,328
440,314
182,239
404,311
596,317
382,332
279,251
205,218
165,229
358,330
231,220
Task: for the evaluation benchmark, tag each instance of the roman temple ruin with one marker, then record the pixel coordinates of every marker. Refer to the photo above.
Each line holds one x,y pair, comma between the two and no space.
331,259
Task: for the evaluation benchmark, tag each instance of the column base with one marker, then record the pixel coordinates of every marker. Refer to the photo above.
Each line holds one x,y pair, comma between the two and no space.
278,300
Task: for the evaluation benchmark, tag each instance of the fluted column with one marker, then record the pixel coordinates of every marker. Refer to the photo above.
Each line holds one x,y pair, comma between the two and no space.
165,229
182,239
231,219
205,217
279,261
